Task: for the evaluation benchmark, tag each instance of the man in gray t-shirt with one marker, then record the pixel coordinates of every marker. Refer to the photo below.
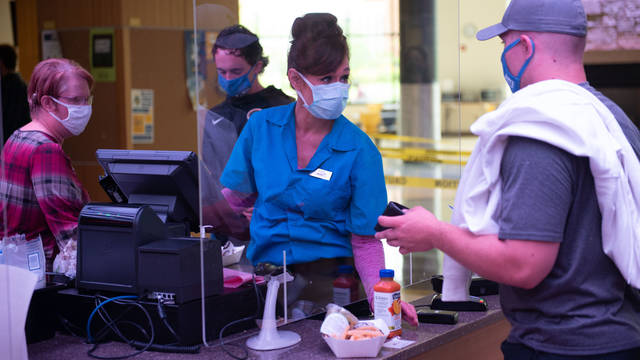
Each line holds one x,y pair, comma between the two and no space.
564,297
583,305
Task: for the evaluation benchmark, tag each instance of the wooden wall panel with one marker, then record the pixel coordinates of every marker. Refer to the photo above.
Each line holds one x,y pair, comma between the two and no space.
158,63
158,13
106,125
150,54
67,14
28,36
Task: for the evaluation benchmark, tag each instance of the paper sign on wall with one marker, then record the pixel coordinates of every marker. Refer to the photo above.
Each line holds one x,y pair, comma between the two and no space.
50,45
142,128
102,54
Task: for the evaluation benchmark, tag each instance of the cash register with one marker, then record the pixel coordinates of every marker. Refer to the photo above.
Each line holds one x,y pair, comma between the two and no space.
139,243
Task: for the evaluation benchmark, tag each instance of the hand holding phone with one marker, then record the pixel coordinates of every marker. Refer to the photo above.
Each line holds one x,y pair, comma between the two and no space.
393,209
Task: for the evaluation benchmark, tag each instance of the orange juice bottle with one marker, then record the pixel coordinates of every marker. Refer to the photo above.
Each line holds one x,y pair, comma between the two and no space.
345,286
386,302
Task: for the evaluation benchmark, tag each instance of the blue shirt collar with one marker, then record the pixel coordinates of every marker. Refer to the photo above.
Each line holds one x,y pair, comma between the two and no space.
339,138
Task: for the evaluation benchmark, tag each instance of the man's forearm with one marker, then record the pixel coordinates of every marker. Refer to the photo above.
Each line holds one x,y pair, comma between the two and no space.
521,263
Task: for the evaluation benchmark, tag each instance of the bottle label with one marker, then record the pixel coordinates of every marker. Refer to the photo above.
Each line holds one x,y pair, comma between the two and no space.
386,306
341,296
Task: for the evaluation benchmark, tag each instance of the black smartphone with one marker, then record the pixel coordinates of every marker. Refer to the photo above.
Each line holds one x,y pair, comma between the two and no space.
393,209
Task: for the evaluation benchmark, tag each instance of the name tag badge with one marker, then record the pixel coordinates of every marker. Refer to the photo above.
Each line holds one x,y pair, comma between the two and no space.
322,174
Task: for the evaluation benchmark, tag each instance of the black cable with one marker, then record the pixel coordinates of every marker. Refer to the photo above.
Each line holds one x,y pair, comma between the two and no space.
222,344
68,325
259,297
112,325
184,349
165,321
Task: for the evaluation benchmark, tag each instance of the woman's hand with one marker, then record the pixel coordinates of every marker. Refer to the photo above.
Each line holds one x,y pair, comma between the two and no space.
248,212
409,313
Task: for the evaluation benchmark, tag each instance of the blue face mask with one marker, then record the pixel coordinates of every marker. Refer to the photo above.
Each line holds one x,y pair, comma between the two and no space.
514,81
329,100
237,86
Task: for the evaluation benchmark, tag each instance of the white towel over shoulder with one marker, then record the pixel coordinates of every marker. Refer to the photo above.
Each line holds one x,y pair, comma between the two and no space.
569,117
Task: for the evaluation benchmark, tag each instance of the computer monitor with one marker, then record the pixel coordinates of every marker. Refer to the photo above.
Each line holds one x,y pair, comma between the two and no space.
165,180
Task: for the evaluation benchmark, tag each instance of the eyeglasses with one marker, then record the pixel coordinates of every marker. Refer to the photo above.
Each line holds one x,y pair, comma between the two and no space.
78,100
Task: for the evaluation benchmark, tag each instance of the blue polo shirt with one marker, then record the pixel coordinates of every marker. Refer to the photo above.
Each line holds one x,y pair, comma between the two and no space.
310,212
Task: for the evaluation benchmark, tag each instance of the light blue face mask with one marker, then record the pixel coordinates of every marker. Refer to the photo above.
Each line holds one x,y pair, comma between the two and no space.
329,100
514,81
237,86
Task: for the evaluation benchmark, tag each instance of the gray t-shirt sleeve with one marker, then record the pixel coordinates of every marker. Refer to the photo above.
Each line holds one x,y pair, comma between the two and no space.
537,191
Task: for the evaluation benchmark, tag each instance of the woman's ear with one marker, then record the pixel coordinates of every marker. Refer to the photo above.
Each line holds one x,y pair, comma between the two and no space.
294,79
46,103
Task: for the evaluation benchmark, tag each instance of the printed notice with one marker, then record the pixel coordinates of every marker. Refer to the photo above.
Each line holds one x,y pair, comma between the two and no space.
102,54
142,116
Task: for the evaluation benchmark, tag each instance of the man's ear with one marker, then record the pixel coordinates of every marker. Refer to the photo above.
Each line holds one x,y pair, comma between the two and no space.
259,66
527,41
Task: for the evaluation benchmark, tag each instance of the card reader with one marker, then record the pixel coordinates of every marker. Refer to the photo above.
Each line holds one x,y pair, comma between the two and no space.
473,304
437,316
479,286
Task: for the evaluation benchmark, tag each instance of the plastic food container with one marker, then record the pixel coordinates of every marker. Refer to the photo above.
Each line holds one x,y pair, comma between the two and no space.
337,320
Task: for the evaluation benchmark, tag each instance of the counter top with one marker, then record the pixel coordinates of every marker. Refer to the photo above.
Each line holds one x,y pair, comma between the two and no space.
475,332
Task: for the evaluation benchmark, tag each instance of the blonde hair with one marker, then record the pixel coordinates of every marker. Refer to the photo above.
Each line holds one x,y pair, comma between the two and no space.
48,79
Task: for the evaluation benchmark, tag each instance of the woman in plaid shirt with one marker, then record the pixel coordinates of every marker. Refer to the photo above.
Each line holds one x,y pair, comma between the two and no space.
40,193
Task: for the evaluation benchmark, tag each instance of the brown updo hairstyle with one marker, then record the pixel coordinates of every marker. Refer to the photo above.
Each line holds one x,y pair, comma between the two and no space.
48,78
318,46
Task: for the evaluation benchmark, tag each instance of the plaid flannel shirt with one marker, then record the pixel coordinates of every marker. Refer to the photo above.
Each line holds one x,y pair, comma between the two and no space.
40,193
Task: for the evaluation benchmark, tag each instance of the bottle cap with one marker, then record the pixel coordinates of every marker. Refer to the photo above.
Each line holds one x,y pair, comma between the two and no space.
386,273
345,269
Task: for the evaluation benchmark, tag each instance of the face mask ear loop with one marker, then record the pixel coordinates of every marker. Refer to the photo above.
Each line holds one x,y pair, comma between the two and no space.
310,87
526,63
63,104
254,76
504,52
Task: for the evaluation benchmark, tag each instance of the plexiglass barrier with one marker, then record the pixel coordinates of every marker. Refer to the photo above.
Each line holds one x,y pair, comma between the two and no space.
418,79
407,93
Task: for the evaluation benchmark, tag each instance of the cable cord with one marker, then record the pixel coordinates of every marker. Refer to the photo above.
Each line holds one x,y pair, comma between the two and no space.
111,324
165,321
259,300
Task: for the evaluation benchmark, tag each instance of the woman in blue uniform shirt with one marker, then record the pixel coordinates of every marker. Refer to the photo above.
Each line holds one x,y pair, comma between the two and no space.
315,179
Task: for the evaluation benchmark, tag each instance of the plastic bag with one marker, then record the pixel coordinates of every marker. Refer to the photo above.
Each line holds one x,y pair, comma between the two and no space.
65,261
26,254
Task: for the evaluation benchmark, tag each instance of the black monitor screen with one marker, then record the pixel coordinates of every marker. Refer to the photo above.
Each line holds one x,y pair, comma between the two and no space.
165,180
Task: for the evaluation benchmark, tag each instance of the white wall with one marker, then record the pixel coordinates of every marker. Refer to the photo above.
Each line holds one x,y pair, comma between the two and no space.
479,60
6,32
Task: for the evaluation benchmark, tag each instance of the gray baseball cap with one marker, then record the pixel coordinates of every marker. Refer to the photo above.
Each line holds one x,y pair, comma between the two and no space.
554,16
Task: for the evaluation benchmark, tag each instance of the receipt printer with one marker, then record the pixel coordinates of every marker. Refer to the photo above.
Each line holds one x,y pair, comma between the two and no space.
125,248
169,270
108,239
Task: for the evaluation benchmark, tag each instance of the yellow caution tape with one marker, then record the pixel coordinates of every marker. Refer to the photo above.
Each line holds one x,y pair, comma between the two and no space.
415,154
423,155
403,138
421,182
